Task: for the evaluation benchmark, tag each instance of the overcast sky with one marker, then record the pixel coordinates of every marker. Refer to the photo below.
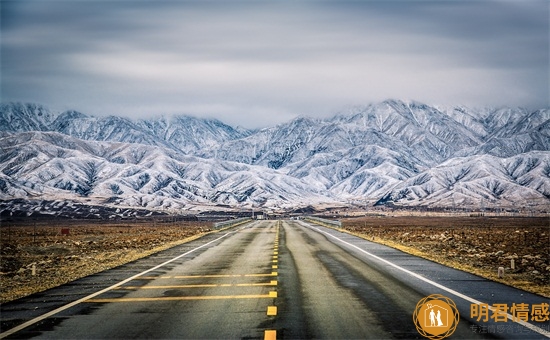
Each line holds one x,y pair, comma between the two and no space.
258,63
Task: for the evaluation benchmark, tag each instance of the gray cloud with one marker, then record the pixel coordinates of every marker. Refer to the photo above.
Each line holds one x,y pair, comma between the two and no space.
256,63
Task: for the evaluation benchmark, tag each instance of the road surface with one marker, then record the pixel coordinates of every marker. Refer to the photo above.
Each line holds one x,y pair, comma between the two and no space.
264,280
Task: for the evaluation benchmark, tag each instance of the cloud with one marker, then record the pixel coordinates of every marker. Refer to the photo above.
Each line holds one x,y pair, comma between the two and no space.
258,63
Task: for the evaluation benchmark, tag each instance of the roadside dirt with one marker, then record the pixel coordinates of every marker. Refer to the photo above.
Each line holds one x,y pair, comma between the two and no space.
68,251
479,245
65,251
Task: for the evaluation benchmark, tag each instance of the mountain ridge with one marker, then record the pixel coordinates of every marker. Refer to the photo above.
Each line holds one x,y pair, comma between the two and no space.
393,153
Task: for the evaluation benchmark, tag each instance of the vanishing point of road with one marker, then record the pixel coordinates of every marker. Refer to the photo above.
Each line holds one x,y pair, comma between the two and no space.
264,280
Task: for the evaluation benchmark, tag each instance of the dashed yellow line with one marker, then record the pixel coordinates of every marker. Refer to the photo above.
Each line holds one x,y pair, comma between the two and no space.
271,310
270,335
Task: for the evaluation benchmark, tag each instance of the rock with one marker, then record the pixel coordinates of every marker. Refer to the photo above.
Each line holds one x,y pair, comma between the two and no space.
535,272
499,253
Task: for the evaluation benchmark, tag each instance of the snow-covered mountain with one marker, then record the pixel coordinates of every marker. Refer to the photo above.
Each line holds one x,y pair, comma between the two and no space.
50,164
182,133
394,152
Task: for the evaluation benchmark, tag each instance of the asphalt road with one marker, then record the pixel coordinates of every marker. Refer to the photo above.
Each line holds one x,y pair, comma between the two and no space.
266,279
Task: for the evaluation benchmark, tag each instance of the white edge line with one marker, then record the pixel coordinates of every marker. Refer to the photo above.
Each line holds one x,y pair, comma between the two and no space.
74,303
454,292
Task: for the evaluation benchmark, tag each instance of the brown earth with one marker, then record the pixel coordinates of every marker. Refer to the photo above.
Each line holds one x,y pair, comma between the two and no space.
69,250
479,245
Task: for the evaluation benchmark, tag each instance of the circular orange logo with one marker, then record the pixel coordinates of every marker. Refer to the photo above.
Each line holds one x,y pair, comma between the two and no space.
436,317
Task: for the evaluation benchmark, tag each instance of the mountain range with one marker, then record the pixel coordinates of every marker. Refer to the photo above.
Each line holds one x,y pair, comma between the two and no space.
393,153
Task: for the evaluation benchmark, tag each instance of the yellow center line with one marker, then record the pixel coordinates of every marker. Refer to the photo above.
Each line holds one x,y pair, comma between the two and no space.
185,298
270,335
272,310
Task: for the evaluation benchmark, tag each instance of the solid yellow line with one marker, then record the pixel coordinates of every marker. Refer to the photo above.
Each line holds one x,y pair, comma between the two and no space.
272,274
203,285
184,298
270,335
271,310
203,276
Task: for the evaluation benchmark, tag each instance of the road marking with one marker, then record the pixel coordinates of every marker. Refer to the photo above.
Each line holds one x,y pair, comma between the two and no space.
420,277
74,303
222,275
271,310
204,276
181,298
270,335
261,284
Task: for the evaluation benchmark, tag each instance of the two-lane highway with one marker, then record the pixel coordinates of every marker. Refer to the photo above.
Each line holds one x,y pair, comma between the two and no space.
273,279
